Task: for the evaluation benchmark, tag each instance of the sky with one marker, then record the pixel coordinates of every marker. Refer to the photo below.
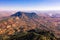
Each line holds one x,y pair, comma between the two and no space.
29,4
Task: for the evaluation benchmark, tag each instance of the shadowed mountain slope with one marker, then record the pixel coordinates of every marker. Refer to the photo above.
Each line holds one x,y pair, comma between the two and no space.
29,15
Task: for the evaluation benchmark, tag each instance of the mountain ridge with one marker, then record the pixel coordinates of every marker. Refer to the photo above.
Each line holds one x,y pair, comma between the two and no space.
25,21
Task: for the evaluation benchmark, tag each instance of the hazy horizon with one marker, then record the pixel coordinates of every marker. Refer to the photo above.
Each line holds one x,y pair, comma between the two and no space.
42,5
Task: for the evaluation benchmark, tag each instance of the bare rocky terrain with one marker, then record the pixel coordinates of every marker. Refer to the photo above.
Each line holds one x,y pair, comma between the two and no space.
25,21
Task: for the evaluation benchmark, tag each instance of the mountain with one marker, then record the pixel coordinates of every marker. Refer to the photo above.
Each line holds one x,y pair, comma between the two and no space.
25,21
56,15
17,14
29,15
33,35
5,14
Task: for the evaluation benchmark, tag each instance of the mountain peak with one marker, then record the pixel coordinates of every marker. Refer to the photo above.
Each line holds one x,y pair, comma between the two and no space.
29,15
17,14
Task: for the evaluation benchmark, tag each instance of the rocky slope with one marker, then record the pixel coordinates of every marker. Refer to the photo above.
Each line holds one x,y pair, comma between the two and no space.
24,21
